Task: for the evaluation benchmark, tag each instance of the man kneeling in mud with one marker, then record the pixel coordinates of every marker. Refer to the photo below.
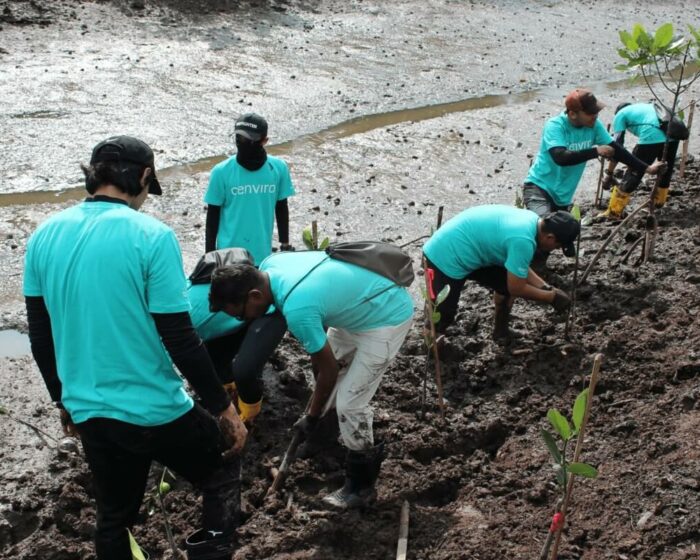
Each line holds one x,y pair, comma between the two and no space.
367,316
493,245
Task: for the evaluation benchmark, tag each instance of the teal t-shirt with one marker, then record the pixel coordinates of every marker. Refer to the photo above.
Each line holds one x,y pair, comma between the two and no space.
102,269
209,325
560,181
491,235
334,294
642,121
247,200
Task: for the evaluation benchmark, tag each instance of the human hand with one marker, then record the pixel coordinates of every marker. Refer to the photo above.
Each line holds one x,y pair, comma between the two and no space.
233,431
657,167
605,151
305,426
67,425
561,301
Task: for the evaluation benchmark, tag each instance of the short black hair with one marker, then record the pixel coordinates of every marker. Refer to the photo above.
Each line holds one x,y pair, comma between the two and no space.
230,285
125,176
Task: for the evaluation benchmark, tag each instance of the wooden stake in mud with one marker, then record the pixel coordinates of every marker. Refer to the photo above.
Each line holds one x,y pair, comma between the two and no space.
577,452
402,548
281,473
599,189
439,220
314,234
684,155
572,312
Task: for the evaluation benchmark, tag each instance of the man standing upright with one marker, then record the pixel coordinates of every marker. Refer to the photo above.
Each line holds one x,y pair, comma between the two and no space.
367,317
108,317
246,193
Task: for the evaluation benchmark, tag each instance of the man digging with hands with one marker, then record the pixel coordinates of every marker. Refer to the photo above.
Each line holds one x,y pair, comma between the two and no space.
367,317
108,317
493,245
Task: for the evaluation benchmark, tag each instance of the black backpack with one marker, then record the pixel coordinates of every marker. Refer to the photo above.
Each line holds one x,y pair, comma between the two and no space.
210,261
674,128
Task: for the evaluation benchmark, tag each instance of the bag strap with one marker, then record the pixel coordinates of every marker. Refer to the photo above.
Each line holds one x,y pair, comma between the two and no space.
294,287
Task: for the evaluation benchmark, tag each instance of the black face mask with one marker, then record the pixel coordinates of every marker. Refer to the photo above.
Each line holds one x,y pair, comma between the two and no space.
251,155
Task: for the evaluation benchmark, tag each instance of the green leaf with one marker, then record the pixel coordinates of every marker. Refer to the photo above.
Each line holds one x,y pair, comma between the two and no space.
163,488
623,67
681,114
583,469
442,296
627,40
663,35
561,475
436,317
576,212
551,445
136,552
624,53
3,410
307,238
325,243
559,423
579,409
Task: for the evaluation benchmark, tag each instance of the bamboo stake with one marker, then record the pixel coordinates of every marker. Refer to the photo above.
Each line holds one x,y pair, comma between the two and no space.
402,548
684,155
579,444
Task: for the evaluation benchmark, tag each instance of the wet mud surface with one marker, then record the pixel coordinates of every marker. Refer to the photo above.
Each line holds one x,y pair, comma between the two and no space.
481,485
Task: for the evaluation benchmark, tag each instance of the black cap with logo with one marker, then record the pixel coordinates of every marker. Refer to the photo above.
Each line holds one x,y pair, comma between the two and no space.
127,149
251,126
565,228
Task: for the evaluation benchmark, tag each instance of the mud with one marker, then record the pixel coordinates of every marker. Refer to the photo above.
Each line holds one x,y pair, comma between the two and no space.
481,485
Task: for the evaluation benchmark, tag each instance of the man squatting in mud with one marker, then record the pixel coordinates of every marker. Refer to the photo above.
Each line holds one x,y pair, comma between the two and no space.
569,140
494,245
641,120
246,193
107,312
367,316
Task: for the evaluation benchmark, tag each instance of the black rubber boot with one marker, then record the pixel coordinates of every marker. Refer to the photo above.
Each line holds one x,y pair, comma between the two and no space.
501,317
361,473
325,435
209,545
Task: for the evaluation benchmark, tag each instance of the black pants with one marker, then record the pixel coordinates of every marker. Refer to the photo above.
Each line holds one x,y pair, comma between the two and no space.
241,356
493,277
120,455
648,153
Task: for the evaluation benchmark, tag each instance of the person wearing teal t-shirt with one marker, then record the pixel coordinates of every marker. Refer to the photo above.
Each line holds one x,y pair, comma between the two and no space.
641,120
246,193
493,245
239,349
340,313
569,140
108,317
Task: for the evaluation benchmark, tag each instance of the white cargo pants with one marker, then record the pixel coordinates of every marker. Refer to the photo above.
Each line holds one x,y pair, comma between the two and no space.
363,358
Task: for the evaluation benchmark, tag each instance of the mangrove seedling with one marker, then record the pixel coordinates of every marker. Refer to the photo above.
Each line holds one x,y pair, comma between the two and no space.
309,236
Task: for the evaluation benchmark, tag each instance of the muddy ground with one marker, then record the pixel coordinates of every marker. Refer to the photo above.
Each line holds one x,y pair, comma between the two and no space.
480,486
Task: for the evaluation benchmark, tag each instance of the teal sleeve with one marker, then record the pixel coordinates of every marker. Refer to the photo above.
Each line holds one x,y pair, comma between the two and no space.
553,136
602,137
32,284
307,327
166,285
286,189
520,253
215,194
619,123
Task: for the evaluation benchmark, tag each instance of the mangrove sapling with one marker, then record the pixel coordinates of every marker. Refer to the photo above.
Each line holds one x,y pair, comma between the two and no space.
672,60
157,496
565,469
576,213
309,236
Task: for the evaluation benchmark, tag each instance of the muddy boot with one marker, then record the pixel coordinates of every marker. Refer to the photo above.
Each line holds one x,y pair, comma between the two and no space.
660,197
617,204
325,435
209,545
361,472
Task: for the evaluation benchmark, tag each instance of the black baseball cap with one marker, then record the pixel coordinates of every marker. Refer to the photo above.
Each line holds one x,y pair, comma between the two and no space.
565,228
251,126
583,100
128,149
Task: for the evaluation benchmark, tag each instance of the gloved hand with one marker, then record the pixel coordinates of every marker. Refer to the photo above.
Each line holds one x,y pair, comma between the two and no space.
607,182
248,412
561,301
286,247
306,426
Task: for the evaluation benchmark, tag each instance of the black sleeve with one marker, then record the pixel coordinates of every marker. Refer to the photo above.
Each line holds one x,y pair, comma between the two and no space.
619,137
212,227
282,217
189,355
564,157
627,158
41,339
